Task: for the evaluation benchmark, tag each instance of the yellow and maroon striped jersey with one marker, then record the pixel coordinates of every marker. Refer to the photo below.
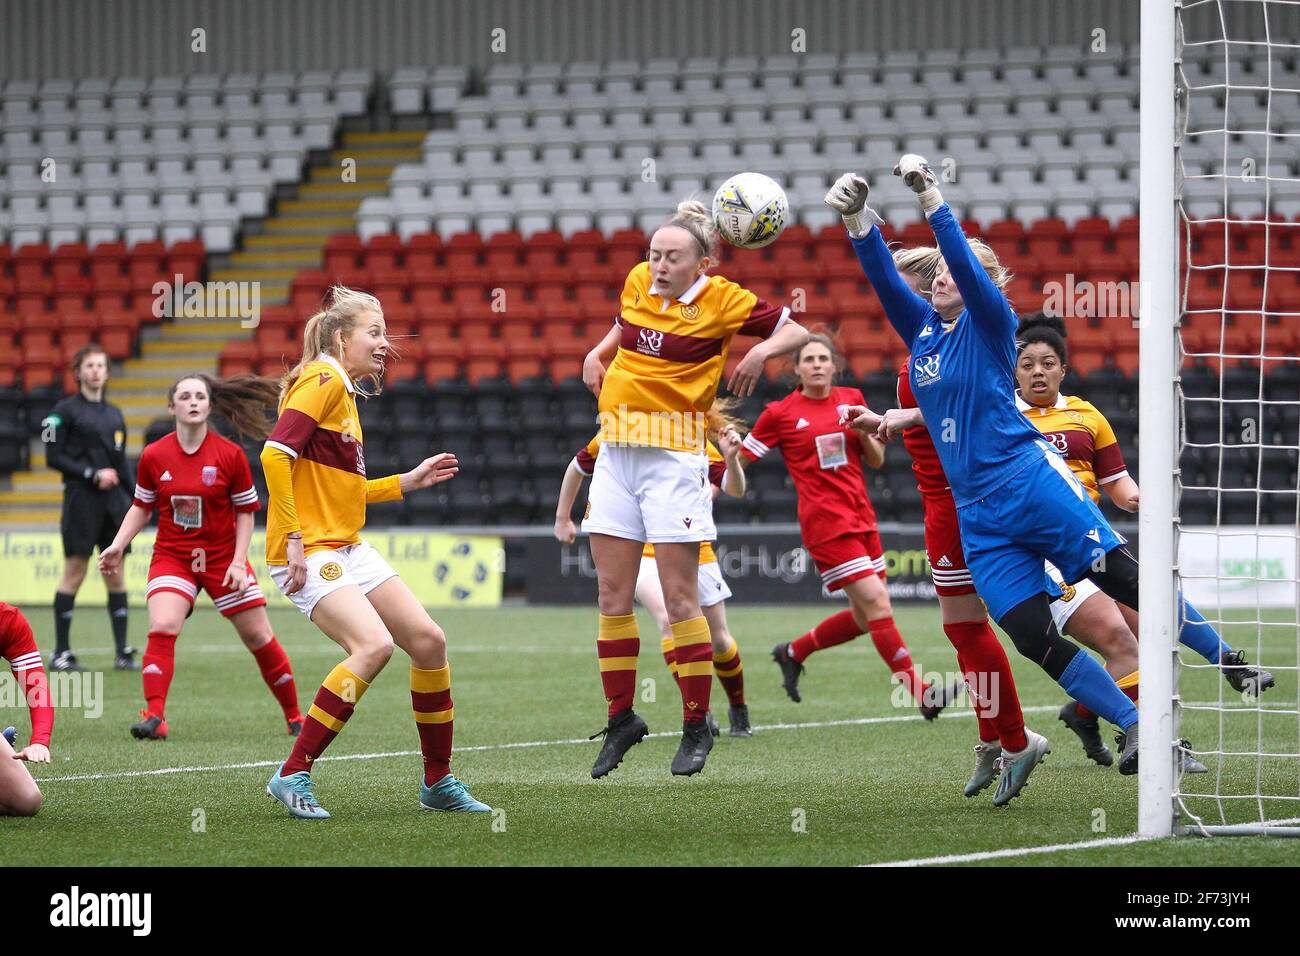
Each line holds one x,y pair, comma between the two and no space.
1083,436
585,459
315,465
670,358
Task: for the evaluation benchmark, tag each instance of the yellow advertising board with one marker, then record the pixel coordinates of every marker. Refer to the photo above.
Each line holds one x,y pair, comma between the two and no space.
444,570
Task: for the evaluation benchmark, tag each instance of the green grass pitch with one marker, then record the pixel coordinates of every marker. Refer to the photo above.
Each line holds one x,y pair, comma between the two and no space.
810,788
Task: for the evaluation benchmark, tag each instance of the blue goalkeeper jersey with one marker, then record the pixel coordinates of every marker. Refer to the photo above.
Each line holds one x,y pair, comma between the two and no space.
962,374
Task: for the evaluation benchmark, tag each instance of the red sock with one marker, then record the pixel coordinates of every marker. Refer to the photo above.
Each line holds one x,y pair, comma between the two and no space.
731,674
889,643
694,652
1130,692
617,647
274,664
988,677
334,703
670,658
431,701
156,668
836,629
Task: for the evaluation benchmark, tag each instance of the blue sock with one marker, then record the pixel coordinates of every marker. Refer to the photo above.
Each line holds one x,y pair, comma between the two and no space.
1087,682
1200,635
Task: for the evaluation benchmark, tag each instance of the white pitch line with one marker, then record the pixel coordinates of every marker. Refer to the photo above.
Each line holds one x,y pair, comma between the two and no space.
1015,851
480,748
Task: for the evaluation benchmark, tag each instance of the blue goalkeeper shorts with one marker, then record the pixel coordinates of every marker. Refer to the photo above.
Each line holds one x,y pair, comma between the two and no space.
1041,513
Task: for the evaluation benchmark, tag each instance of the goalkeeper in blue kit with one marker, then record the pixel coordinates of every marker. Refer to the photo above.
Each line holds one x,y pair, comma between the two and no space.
1017,501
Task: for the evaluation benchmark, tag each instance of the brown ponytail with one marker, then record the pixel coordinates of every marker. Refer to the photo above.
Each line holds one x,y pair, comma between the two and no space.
247,401
721,414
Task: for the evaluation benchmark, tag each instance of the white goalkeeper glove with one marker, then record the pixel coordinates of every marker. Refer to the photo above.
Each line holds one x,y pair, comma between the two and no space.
920,178
848,197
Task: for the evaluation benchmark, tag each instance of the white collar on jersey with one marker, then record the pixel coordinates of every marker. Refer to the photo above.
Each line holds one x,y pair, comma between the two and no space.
688,296
332,361
1024,406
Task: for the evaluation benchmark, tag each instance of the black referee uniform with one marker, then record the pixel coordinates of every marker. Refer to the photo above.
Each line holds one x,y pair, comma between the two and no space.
89,436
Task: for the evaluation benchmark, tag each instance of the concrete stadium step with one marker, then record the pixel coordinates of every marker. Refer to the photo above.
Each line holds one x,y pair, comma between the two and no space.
26,497
315,208
254,244
373,156
359,190
268,274
205,330
263,258
181,349
323,226
30,519
364,173
43,479
409,137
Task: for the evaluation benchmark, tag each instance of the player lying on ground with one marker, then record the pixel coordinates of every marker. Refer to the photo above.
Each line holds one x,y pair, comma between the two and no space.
318,491
650,484
19,794
202,488
85,441
725,474
836,519
1017,503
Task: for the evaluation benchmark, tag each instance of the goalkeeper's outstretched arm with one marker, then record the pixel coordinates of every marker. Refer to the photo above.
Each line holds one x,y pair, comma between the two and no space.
905,310
981,296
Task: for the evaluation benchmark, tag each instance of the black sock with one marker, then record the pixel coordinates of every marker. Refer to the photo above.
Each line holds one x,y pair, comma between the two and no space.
62,619
117,612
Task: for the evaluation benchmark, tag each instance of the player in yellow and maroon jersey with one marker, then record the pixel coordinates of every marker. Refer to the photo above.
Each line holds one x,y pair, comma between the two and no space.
1086,441
725,475
317,488
650,484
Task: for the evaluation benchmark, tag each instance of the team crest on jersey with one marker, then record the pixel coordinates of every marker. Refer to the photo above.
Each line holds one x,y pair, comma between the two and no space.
927,370
1075,417
209,475
332,571
1067,593
118,438
650,342
690,312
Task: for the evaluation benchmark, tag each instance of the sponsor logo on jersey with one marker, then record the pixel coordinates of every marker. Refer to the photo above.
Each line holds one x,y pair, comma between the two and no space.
209,475
842,410
324,377
166,476
650,342
926,332
944,562
927,370
332,571
1094,535
801,423
687,522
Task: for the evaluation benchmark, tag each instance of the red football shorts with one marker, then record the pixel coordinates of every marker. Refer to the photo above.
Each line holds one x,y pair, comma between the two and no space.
943,546
173,574
849,557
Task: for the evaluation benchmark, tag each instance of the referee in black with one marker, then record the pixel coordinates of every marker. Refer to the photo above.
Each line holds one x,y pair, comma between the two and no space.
85,440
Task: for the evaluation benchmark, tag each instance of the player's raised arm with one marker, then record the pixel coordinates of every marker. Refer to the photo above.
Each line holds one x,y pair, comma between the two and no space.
981,295
905,309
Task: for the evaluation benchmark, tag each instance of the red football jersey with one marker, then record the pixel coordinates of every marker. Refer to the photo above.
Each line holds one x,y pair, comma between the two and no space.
930,479
196,495
824,459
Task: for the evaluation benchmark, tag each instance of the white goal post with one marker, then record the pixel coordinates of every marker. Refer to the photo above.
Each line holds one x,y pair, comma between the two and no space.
1220,198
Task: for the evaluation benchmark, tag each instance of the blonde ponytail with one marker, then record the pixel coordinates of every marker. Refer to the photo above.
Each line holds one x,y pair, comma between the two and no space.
339,316
695,217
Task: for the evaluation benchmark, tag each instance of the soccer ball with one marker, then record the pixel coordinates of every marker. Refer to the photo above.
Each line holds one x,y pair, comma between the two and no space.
750,210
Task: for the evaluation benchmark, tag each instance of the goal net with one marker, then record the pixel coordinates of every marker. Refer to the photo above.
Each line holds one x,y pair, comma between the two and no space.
1232,335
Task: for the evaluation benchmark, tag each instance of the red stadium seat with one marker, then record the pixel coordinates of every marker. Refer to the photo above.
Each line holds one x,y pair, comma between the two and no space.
422,254
544,250
186,259
69,262
462,254
382,252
